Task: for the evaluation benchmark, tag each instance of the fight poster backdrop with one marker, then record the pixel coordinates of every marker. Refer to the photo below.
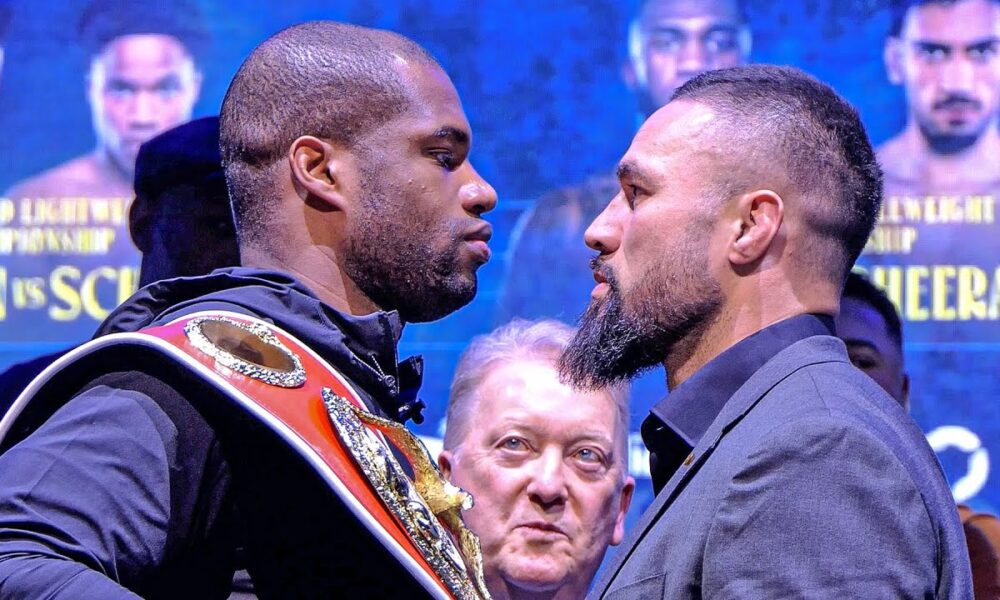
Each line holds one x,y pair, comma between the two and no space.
554,90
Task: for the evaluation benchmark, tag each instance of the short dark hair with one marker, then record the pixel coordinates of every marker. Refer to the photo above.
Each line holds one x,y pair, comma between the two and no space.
185,155
106,20
898,9
334,81
861,288
796,123
740,5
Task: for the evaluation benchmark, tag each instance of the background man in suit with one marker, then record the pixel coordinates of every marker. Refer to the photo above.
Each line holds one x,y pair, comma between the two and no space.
546,464
870,326
181,219
743,204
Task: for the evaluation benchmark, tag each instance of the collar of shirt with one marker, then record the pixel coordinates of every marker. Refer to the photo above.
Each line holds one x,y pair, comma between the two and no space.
677,423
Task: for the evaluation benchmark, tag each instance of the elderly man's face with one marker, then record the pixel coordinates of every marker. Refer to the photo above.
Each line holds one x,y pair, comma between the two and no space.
546,467
139,87
672,41
947,60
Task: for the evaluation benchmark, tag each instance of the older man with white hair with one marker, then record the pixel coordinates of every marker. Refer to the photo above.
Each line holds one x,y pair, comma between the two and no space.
547,464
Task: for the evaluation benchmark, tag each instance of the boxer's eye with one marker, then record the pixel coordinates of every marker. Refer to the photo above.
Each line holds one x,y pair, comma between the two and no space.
445,158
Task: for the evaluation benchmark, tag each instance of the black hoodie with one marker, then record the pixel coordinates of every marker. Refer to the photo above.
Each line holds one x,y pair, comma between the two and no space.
158,495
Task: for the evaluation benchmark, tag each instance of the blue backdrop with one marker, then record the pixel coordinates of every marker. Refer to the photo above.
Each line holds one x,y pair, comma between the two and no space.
540,83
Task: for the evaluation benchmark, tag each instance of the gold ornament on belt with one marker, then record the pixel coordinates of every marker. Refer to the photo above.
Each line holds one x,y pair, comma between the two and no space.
250,349
421,504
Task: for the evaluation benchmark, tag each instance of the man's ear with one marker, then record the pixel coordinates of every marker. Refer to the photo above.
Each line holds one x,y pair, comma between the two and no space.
892,54
626,500
759,214
444,462
323,170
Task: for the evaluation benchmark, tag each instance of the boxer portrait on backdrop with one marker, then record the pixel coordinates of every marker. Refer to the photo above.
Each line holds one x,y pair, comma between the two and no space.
142,78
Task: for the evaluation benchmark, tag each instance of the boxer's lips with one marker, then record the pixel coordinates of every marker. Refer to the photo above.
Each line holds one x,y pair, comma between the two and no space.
478,241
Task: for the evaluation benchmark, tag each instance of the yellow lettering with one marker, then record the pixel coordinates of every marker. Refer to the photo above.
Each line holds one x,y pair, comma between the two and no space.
974,209
941,290
128,283
891,239
7,211
994,303
915,288
930,210
28,292
88,292
889,211
65,292
99,210
890,279
971,291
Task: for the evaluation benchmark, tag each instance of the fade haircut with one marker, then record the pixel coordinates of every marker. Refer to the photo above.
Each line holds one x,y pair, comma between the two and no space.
898,9
334,81
862,289
519,340
784,119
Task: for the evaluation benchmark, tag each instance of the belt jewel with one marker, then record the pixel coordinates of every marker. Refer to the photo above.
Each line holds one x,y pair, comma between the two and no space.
421,505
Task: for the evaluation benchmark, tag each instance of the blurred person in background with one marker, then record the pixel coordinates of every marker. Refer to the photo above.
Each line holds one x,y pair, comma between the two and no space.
668,43
181,221
869,325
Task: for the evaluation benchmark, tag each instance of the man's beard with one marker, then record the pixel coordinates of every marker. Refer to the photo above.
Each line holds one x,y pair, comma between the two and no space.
392,259
947,142
620,337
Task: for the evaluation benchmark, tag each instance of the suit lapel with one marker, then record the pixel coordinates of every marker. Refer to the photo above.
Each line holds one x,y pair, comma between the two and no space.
810,351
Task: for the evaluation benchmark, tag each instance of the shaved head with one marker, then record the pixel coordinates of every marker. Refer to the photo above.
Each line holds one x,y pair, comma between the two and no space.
330,80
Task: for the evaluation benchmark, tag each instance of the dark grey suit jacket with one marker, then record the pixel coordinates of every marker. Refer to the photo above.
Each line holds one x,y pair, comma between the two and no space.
811,483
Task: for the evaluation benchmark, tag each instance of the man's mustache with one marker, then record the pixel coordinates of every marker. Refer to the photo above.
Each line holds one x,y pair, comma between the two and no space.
957,101
599,267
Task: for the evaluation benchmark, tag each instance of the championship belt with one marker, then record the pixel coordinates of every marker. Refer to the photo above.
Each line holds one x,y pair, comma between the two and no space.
314,409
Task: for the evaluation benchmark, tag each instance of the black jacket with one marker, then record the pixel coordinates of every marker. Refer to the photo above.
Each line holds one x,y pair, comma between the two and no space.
140,482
